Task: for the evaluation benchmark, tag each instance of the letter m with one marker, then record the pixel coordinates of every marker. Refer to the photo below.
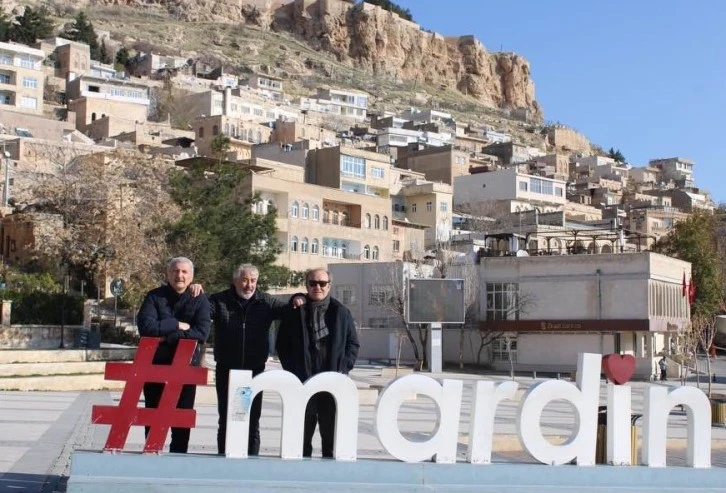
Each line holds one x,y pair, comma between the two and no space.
295,396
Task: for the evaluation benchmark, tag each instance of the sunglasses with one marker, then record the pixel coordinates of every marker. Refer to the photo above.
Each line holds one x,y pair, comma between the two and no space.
322,284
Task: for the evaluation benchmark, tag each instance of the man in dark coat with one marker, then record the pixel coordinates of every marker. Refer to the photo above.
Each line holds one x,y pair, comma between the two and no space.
242,316
172,313
316,338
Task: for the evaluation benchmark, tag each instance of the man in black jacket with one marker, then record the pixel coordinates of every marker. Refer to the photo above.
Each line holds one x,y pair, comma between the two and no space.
172,313
316,338
242,316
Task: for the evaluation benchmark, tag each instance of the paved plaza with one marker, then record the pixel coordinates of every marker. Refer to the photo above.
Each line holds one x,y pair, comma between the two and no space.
40,430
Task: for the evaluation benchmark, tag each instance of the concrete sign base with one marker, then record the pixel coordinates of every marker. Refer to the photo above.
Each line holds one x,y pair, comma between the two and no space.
92,472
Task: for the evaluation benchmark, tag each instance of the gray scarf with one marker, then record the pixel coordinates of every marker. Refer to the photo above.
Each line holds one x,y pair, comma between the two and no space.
316,320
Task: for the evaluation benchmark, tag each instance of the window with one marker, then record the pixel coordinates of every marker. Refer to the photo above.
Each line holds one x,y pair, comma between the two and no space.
343,250
336,217
343,219
385,223
259,112
305,210
4,98
544,187
381,294
30,82
502,347
294,209
375,253
558,191
293,244
396,246
366,252
502,301
28,102
6,59
353,166
367,223
201,132
316,213
4,79
326,216
304,245
94,89
314,247
346,294
413,207
377,172
215,130
443,206
377,221
26,61
429,206
523,186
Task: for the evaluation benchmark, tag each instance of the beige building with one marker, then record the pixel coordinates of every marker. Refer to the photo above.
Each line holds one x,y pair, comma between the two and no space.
21,78
267,85
567,139
239,103
107,107
243,135
351,170
344,102
541,311
428,204
21,232
287,132
72,58
439,164
321,224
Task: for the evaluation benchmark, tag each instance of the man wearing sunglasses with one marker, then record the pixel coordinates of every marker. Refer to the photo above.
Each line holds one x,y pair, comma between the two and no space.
318,337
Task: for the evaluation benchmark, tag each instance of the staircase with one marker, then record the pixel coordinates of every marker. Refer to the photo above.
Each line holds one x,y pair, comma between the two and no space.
60,369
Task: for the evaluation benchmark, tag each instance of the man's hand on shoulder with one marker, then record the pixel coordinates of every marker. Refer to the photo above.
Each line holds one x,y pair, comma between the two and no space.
297,301
196,289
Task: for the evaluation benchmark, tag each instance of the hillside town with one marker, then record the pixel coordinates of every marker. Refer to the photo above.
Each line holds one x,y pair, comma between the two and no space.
556,235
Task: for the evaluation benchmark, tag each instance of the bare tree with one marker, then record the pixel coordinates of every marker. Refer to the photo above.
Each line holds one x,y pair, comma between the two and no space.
704,330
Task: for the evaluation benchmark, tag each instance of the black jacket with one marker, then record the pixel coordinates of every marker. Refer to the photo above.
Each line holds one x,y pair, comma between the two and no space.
292,341
241,332
160,314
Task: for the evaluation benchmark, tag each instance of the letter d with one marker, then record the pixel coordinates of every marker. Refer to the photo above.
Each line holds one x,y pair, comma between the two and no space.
584,398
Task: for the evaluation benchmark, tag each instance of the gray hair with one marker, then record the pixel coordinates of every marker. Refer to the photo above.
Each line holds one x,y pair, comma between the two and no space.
319,269
246,268
179,260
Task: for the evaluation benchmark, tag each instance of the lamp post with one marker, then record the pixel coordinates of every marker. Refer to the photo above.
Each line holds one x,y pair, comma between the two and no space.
63,310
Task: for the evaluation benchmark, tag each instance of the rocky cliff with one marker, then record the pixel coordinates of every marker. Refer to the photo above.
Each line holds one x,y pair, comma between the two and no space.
375,39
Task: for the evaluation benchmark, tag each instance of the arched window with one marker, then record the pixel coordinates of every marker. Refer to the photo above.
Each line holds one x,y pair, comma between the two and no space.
377,221
293,244
385,223
366,252
316,213
326,216
375,253
334,249
259,136
368,221
314,246
270,205
226,128
304,245
201,132
305,210
93,117
260,207
215,130
327,248
293,209
343,219
336,217
250,135
343,250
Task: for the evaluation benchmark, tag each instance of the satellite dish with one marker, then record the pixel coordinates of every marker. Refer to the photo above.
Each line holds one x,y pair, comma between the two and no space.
522,253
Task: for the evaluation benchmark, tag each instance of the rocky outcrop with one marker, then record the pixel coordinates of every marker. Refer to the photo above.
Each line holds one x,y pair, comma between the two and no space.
377,40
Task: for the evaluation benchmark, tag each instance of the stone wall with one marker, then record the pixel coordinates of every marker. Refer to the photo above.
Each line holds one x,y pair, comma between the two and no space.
36,336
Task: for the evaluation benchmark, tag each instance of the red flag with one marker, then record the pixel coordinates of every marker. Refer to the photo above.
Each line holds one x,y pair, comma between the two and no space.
692,291
684,287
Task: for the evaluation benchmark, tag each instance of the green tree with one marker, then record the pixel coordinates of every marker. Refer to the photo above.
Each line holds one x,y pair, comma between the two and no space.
6,24
122,56
31,26
82,31
104,56
616,155
694,240
220,146
218,229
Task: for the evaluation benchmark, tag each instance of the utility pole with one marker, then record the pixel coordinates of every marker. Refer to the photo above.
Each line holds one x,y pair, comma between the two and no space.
6,188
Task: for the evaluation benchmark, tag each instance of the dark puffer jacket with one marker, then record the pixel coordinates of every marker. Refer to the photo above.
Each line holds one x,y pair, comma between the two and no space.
241,330
160,314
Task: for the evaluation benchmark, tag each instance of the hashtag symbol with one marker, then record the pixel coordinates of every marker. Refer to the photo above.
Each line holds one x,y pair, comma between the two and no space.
136,374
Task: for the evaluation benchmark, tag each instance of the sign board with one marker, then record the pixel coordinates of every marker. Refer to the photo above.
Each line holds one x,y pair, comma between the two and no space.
435,301
117,287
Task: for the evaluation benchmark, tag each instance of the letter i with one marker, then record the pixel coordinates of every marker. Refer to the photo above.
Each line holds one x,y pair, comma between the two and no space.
618,424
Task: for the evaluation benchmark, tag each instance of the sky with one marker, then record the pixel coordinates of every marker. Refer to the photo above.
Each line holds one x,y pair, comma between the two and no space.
647,77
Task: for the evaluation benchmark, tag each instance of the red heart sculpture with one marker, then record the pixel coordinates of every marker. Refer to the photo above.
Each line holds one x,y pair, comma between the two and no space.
618,369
